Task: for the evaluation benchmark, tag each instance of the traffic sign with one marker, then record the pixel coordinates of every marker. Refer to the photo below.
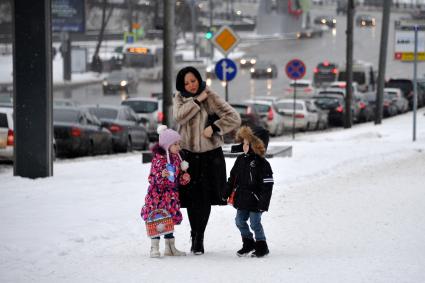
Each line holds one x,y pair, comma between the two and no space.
295,69
225,40
226,69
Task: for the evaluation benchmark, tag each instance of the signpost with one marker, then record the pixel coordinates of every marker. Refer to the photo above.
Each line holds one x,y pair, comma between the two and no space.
226,70
225,40
295,69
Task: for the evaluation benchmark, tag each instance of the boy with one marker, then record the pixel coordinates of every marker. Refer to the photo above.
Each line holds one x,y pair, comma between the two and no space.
251,179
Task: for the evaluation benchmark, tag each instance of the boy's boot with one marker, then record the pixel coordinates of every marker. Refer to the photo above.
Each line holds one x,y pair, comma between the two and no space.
170,248
261,249
247,247
155,248
198,245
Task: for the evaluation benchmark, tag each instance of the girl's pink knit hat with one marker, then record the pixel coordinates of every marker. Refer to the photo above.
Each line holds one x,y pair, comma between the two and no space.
167,137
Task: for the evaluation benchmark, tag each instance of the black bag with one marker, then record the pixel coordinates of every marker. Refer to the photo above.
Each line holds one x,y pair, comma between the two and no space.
211,119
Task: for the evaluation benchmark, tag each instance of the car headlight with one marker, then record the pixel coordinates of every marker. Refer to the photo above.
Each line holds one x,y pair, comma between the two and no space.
208,69
253,61
105,83
269,70
123,83
334,21
252,70
243,61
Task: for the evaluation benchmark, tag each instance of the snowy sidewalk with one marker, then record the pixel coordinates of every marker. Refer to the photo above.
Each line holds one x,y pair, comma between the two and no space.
346,207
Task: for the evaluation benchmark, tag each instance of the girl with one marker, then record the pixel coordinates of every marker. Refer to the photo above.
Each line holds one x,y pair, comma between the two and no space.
167,172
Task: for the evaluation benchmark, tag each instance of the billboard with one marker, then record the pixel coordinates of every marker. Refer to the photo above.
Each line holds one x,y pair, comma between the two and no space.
68,16
404,45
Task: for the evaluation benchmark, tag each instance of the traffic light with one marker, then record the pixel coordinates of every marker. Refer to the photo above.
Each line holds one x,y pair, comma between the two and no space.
209,34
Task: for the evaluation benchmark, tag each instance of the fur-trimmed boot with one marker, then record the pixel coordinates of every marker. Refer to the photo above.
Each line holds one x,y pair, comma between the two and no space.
170,248
261,249
198,244
247,247
155,248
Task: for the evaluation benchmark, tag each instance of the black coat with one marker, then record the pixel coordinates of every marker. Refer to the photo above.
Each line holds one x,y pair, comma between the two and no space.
207,179
252,179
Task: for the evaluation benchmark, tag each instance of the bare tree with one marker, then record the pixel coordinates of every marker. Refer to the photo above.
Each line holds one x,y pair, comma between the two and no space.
106,15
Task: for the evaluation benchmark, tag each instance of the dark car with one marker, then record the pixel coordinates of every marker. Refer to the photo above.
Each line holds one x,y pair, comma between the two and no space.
248,60
406,85
128,131
250,117
79,133
325,73
389,108
335,105
263,69
328,21
120,81
365,21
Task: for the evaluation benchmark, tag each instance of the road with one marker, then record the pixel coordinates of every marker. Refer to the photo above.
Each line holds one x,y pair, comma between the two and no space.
330,47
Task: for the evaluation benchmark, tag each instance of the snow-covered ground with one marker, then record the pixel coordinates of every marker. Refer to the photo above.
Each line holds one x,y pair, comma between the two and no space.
347,207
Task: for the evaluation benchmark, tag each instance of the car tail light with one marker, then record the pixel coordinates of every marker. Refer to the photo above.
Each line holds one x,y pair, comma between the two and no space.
75,132
315,70
339,109
160,116
115,128
335,71
308,89
386,104
299,116
248,110
270,114
342,85
362,105
10,137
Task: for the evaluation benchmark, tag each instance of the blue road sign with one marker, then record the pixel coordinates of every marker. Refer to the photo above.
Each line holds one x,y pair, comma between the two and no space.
295,69
226,69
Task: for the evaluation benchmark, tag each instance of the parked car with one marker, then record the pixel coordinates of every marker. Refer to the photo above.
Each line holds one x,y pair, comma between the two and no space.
306,115
399,100
121,81
342,85
150,109
248,60
388,106
128,131
366,109
310,33
406,86
328,21
304,88
335,104
249,117
79,133
325,73
365,21
270,115
263,69
6,133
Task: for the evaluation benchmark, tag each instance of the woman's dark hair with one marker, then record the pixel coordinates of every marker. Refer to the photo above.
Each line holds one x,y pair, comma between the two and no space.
180,80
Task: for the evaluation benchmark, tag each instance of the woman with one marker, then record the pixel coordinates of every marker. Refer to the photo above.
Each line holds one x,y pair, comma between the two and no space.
203,118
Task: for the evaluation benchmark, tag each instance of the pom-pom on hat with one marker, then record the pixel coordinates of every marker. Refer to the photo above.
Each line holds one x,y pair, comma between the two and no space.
167,137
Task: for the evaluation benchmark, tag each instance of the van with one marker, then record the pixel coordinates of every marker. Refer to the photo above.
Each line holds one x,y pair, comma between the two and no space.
363,74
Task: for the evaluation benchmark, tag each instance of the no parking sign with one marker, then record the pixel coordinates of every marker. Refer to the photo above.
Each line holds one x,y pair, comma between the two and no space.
295,69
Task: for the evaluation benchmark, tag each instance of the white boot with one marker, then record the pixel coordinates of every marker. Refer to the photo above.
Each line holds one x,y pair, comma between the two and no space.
155,248
170,248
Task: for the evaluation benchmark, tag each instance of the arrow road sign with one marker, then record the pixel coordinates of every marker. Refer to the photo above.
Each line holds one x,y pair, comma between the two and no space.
226,69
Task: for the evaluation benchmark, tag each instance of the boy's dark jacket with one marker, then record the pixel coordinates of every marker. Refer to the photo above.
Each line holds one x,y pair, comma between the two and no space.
251,175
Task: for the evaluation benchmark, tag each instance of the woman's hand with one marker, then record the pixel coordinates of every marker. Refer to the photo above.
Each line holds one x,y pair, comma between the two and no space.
208,132
202,96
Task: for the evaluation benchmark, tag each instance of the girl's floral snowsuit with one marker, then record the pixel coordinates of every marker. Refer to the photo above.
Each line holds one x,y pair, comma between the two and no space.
163,193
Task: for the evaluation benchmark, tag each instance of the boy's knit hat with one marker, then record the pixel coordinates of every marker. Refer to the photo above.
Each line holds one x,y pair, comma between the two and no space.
167,137
258,140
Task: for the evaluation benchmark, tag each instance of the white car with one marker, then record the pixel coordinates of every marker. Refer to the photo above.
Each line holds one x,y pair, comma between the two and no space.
6,133
400,101
304,88
270,115
343,84
306,114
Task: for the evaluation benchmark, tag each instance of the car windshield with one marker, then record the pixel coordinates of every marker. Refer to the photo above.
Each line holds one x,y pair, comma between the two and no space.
104,113
65,115
142,106
241,109
262,108
358,77
289,106
328,102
